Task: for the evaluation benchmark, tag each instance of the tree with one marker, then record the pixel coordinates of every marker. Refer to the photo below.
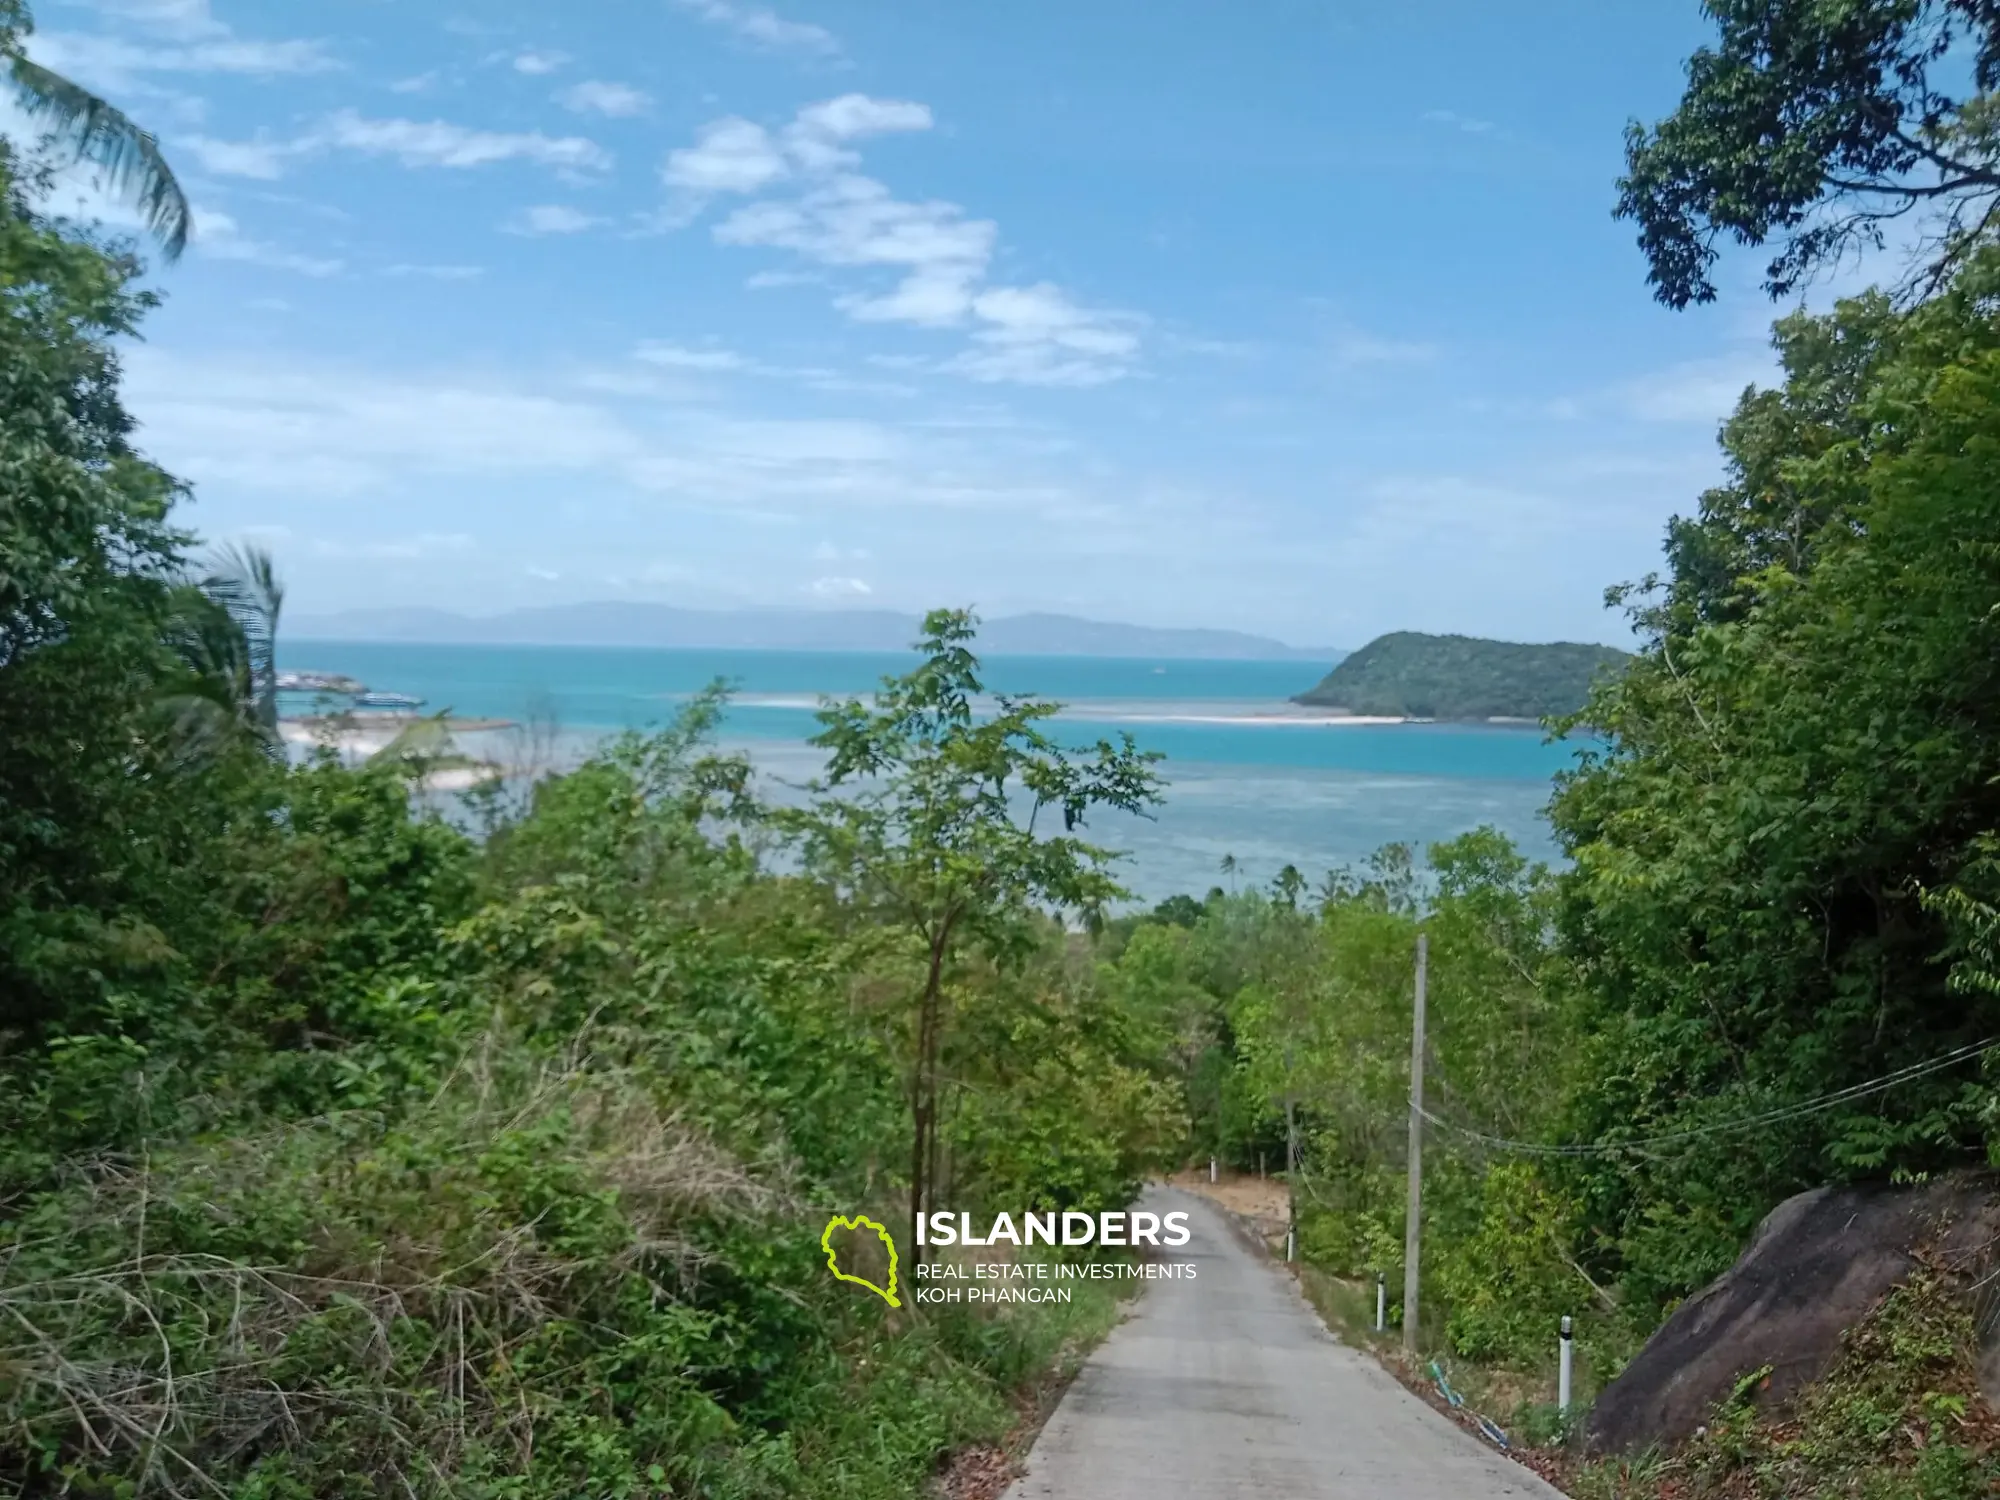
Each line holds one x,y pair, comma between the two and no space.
1809,743
1820,122
92,130
928,818
245,582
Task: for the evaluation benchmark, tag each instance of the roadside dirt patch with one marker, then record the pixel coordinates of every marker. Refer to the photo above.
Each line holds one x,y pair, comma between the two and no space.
1263,1203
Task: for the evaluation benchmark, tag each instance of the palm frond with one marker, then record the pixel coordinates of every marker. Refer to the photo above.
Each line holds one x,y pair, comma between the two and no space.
244,581
130,157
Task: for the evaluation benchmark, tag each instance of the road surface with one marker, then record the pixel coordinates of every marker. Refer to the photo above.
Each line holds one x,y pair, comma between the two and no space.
1228,1385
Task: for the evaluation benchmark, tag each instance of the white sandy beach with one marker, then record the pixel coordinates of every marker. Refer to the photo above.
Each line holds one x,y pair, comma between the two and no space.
354,744
1180,711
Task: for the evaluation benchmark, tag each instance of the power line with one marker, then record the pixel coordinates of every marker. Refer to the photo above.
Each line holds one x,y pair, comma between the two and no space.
1723,1127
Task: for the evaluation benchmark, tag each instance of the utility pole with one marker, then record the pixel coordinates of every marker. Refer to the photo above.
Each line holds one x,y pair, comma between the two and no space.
1413,1228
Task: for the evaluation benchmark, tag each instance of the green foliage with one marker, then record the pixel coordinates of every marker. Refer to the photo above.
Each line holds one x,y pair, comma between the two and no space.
1819,121
1260,1000
1805,748
341,1154
1459,677
926,823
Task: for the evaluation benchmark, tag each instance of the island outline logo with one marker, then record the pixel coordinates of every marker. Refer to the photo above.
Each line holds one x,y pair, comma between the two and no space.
859,1222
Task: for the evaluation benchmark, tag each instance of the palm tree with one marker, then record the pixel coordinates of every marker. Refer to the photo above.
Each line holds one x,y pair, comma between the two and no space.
244,582
97,132
222,629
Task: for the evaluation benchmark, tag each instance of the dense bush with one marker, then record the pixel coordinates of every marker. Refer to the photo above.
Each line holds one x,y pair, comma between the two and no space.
344,1154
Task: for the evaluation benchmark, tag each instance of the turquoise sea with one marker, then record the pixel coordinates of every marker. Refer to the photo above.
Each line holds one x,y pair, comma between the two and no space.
1244,779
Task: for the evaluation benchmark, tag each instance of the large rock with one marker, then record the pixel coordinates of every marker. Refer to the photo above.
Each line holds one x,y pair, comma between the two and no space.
1818,1263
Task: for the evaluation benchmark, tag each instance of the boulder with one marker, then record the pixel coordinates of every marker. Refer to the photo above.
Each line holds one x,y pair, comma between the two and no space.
1817,1265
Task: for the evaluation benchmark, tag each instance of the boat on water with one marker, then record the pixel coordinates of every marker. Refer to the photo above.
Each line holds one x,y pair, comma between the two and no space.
320,682
386,700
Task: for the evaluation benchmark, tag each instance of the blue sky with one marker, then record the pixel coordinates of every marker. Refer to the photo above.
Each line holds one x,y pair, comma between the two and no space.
1302,318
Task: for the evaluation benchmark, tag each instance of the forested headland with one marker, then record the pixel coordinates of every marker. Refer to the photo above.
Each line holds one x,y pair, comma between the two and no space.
1408,675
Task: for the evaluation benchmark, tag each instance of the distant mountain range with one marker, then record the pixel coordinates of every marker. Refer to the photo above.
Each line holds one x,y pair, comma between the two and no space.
1406,675
634,624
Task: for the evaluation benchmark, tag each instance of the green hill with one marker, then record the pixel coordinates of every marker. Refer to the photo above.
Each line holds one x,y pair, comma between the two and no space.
1462,677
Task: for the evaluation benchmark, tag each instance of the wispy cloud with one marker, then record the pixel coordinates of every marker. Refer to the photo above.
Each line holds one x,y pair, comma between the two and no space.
679,357
264,424
170,36
217,236
114,59
941,255
262,159
1701,390
552,218
414,143
536,64
439,143
436,273
839,588
713,359
598,97
423,544
763,27
1456,121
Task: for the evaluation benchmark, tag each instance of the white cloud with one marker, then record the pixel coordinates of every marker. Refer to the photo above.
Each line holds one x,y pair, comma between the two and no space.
436,273
1701,390
416,83
552,218
190,18
856,221
817,134
217,237
261,159
839,588
941,255
711,360
677,357
416,143
731,155
116,62
547,575
424,544
439,143
536,64
595,96
766,280
764,28
1458,121
257,425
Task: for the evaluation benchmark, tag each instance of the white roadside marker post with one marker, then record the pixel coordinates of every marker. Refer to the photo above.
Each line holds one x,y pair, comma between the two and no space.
1211,1171
1564,1366
1381,1301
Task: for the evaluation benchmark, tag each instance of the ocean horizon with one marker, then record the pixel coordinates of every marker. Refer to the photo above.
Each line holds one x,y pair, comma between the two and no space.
1246,779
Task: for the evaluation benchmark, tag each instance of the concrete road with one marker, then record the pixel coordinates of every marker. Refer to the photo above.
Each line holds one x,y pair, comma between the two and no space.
1228,1385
